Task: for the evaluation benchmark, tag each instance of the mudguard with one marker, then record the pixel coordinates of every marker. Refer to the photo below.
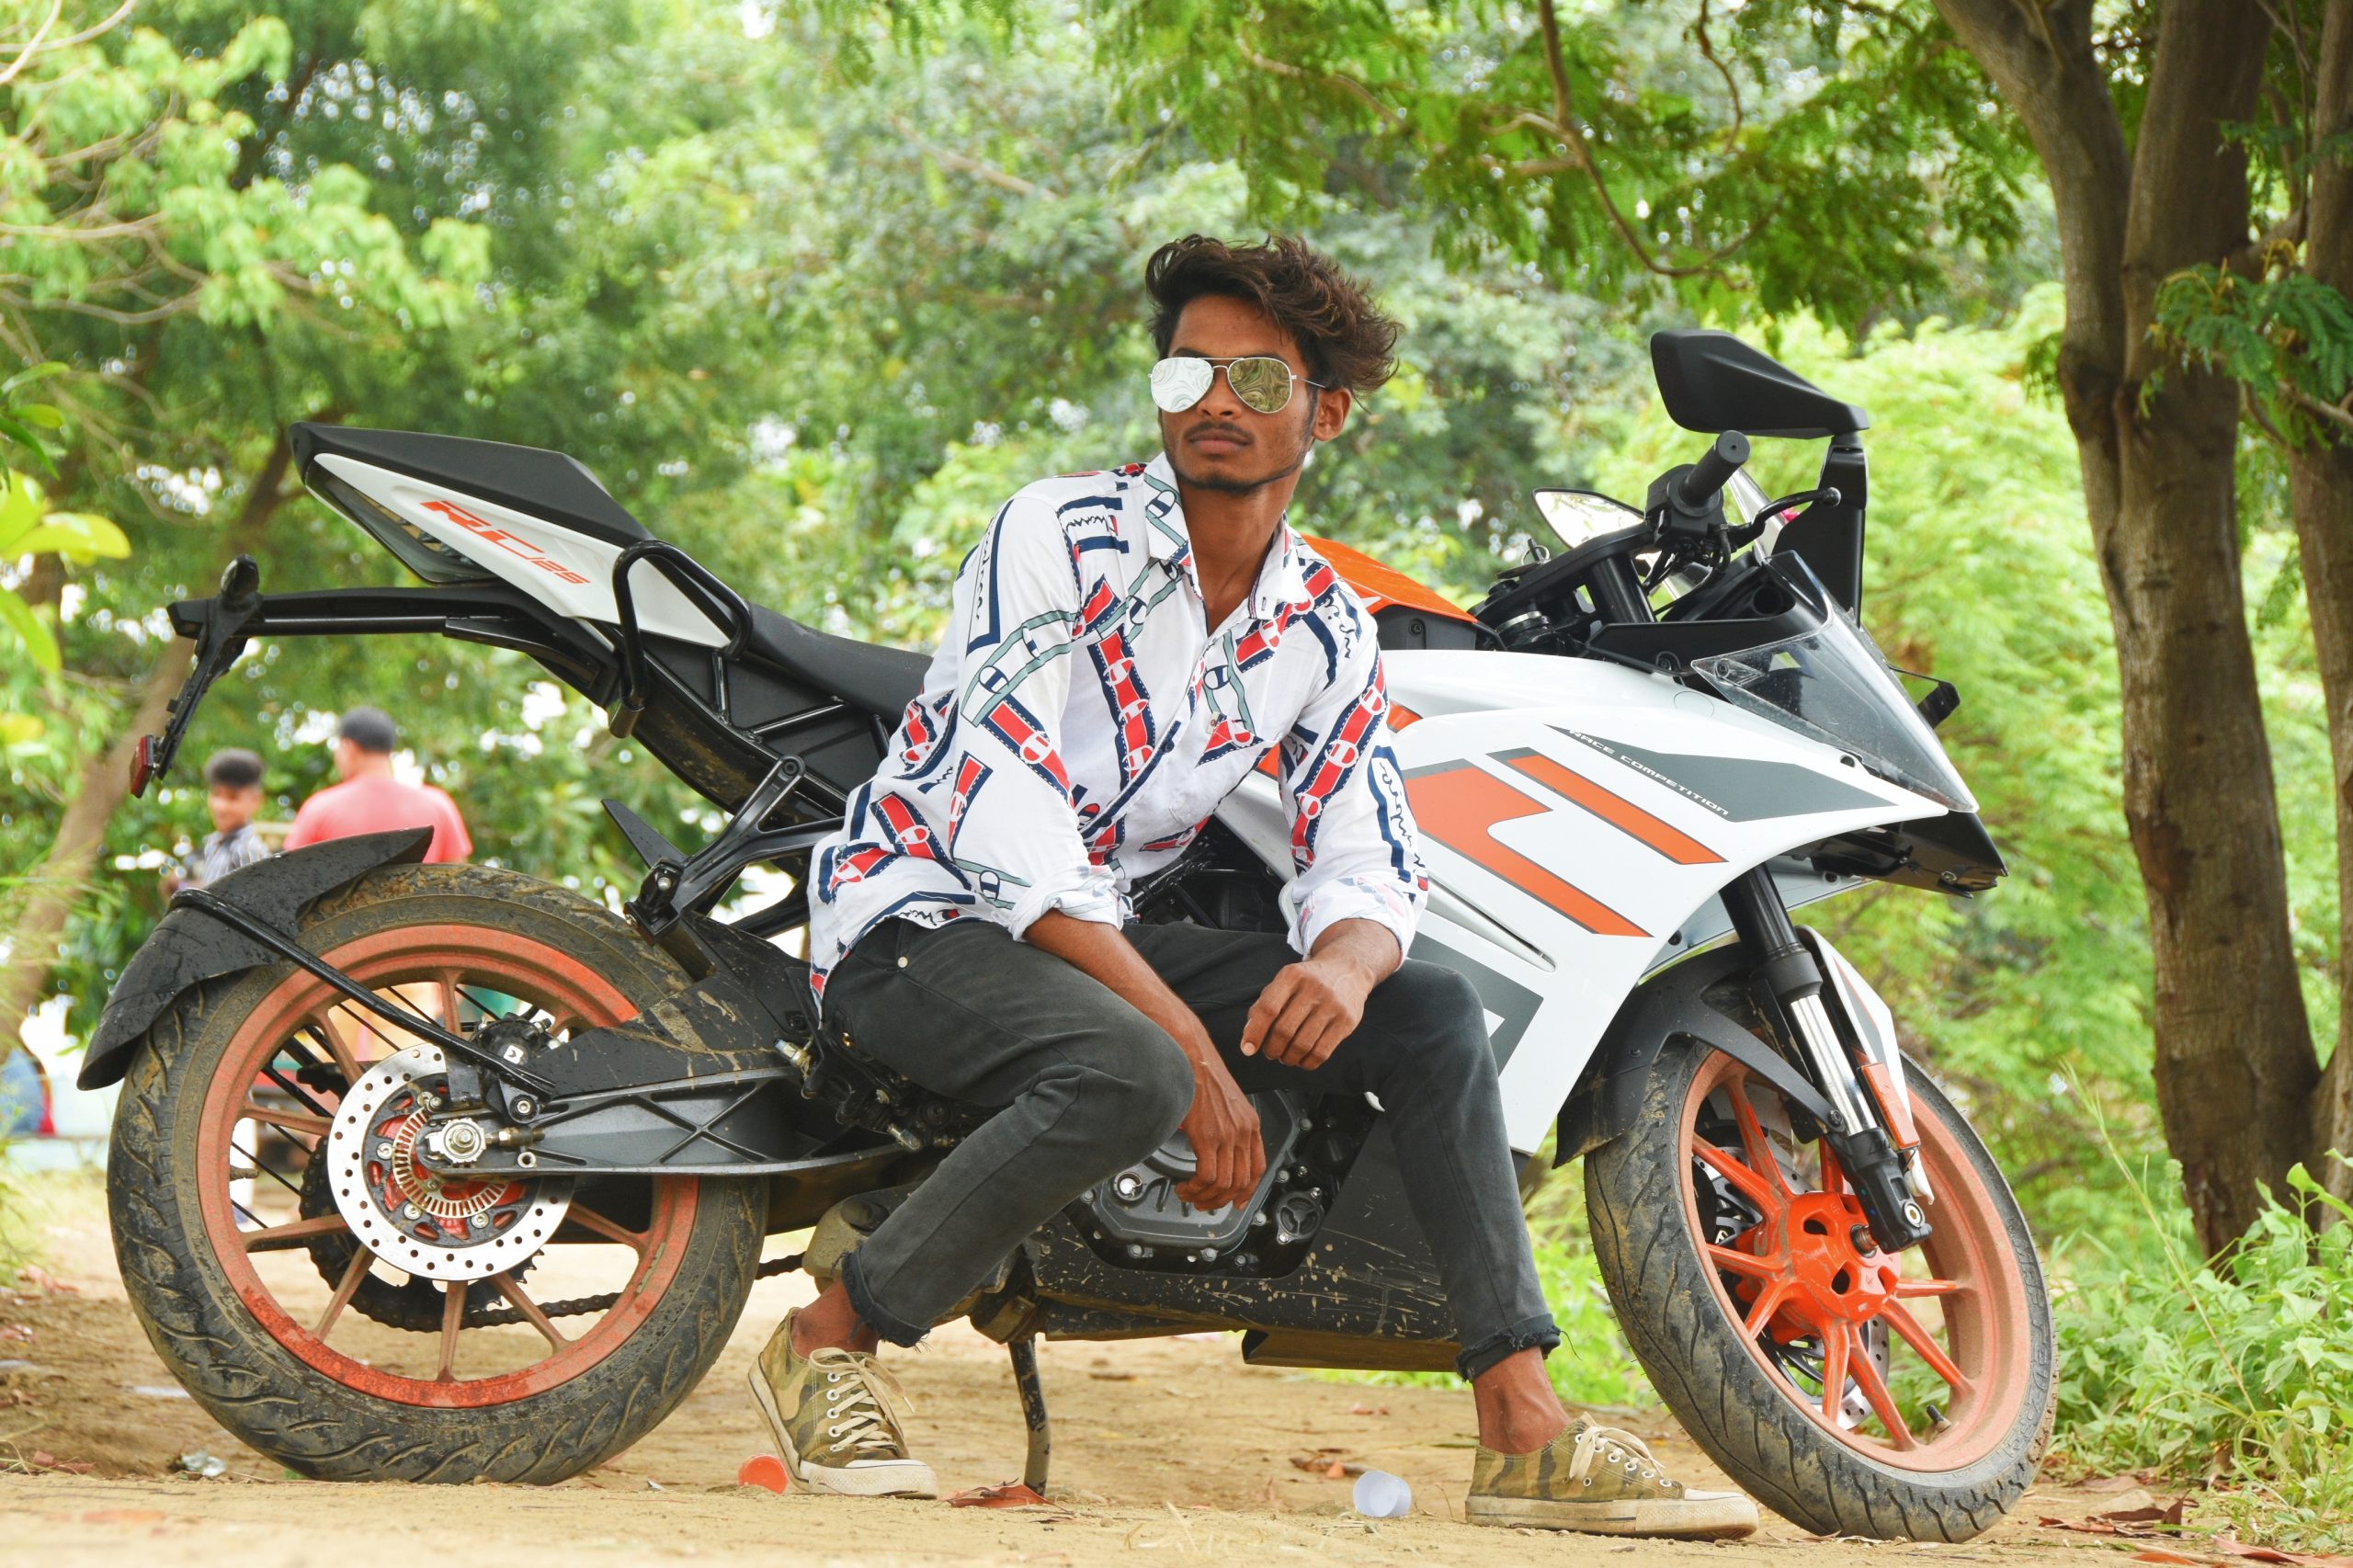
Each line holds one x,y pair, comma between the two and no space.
1671,1003
1704,998
189,947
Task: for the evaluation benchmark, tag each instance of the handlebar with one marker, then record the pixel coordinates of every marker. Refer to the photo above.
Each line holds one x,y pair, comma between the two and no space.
1702,482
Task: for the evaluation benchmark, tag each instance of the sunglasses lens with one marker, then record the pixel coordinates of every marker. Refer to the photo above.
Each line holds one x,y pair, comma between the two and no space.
1178,384
1261,381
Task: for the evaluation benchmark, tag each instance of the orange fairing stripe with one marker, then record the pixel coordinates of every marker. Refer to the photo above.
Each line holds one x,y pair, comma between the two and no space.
1892,1106
1623,814
1378,585
1461,807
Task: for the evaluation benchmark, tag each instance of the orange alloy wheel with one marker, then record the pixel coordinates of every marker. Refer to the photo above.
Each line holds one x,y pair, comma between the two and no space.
1921,1362
286,1070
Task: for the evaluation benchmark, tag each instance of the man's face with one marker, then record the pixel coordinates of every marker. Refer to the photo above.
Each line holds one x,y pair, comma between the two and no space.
1221,443
232,806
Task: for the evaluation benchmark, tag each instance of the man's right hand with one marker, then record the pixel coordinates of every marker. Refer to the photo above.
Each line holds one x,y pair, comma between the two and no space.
1229,1150
1229,1153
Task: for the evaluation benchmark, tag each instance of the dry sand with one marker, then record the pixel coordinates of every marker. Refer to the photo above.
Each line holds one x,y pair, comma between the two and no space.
1164,1451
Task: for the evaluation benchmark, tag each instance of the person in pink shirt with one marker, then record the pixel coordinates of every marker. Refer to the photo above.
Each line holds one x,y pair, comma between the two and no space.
370,799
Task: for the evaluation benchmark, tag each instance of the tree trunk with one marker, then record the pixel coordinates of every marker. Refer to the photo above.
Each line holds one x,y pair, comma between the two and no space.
2234,1061
52,892
2319,480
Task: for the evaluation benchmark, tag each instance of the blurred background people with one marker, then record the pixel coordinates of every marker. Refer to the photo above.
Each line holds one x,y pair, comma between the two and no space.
370,799
233,794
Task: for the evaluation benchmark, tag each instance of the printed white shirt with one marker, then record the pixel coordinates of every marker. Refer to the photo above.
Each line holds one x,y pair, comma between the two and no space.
1080,721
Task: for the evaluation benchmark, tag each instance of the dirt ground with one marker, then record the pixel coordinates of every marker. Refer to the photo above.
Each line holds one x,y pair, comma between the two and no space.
1163,1450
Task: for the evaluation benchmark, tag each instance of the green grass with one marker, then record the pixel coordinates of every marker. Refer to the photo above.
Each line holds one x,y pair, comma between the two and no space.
2235,1374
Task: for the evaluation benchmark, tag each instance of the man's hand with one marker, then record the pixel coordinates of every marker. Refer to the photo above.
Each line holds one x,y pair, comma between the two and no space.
1311,1006
1230,1154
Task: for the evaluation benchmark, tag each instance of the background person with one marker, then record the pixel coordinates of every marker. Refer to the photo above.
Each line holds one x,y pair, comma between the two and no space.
233,794
370,799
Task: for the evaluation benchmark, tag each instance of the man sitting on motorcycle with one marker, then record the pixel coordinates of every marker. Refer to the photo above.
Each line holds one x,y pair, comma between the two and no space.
1123,648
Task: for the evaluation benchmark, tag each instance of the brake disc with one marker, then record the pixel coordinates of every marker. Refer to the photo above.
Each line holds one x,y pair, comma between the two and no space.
425,1224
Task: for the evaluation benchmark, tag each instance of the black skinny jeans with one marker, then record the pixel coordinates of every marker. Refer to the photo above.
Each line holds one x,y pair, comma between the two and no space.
1087,1086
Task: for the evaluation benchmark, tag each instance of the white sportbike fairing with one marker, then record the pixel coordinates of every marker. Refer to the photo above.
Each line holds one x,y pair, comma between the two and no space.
1578,820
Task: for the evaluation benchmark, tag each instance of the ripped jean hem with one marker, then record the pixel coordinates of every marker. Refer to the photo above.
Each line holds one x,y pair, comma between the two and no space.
874,1316
1537,1332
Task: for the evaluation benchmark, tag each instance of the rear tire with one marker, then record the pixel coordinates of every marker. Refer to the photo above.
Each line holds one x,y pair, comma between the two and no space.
284,1392
1735,1394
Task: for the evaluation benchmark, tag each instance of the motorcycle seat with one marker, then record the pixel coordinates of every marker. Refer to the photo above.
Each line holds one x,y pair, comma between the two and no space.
867,676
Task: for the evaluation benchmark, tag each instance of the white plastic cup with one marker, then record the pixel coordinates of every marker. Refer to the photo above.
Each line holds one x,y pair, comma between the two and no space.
1381,1495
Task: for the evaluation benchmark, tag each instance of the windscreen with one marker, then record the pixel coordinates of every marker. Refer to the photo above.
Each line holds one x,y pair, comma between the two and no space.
1831,684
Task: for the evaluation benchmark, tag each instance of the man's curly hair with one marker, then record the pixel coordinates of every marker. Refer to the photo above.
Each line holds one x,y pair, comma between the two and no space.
1344,337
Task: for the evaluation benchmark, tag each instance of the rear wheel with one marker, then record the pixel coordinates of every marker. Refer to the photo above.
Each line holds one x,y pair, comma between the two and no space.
335,1306
1852,1393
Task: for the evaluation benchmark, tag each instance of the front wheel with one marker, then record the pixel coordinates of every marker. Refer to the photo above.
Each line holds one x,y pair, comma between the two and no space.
337,1305
1852,1393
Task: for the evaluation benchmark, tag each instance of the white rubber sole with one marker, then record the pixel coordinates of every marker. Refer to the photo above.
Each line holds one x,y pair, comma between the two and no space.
1712,1517
863,1478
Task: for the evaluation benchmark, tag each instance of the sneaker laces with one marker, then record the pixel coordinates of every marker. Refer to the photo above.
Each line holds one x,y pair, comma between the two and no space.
866,1417
1591,1437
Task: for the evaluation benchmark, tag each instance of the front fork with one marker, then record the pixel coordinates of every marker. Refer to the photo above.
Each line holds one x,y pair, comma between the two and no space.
1868,1112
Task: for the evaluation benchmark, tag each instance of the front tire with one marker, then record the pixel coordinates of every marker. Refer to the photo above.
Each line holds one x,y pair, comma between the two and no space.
307,1345
1850,1393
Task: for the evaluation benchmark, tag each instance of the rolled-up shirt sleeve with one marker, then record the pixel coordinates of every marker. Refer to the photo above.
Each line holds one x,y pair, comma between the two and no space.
1352,841
1013,822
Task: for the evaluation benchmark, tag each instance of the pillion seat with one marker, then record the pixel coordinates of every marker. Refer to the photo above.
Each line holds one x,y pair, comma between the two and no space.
877,680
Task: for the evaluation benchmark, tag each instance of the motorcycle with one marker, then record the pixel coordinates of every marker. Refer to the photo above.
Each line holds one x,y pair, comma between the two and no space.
443,1173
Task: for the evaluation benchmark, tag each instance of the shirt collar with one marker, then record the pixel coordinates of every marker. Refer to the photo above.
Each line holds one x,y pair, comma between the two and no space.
1282,576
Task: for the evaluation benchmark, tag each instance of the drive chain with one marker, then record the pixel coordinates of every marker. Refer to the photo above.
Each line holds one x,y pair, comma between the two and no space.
579,1306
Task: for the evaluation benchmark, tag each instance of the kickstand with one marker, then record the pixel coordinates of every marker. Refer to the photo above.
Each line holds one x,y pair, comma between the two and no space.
1033,1414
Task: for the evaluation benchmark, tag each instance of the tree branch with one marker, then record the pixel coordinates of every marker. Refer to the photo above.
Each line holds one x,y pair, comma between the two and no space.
56,10
988,173
1708,52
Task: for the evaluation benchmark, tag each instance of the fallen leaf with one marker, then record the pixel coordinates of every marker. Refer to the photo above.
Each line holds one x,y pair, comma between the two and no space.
2170,1515
1113,1377
33,1274
43,1459
1368,1409
1005,1495
2158,1554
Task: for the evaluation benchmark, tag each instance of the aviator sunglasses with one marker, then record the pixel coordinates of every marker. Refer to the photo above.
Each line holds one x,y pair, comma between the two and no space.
1260,381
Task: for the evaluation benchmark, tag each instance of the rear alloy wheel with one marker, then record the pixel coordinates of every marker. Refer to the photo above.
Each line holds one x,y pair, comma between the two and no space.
342,1308
1853,1393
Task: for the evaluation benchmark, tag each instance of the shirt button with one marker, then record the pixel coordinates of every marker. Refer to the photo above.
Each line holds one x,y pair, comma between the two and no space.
903,963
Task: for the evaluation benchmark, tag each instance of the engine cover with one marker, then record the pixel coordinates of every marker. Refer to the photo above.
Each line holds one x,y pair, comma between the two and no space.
1139,1205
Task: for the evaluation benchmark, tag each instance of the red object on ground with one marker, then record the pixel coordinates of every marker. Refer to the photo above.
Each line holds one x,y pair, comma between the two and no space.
1005,1495
764,1470
380,805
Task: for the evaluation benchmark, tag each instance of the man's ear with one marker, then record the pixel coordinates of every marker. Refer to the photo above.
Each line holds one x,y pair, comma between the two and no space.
1331,413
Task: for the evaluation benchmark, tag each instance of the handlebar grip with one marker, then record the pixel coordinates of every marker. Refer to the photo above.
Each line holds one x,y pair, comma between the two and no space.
1700,483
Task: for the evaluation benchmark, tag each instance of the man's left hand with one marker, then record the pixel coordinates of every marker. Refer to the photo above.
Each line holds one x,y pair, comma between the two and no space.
1311,1006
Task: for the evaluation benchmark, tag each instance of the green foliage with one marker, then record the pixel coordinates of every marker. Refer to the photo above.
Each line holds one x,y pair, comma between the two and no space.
2288,338
2236,1372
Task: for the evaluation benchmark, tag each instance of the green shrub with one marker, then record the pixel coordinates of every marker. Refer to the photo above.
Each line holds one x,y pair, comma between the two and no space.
2238,1373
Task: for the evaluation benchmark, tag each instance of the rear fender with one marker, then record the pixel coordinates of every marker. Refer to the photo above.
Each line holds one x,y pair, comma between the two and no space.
190,947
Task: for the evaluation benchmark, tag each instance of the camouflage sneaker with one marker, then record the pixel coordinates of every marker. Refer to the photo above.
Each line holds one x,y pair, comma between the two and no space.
835,1414
1601,1480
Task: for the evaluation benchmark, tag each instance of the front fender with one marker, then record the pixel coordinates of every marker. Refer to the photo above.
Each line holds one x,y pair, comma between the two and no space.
1705,998
189,947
